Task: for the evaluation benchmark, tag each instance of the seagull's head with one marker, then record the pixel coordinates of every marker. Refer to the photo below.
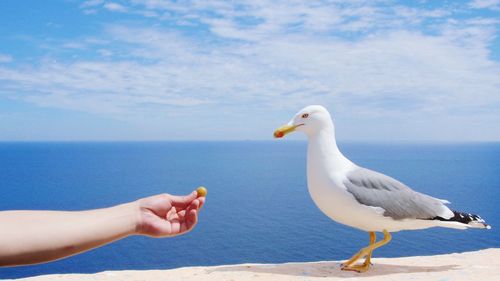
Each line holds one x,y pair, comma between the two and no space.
310,120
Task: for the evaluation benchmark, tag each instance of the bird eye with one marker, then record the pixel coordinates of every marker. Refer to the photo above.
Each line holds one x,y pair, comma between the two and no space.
305,115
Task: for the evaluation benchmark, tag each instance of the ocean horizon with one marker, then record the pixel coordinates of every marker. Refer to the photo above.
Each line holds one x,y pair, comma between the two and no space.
258,208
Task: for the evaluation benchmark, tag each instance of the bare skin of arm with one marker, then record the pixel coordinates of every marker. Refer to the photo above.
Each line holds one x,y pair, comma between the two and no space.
29,237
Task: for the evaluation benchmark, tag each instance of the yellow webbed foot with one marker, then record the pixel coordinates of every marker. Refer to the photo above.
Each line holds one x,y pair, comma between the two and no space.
366,252
357,267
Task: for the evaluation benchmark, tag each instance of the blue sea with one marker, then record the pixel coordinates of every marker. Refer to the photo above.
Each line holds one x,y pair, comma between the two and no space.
258,209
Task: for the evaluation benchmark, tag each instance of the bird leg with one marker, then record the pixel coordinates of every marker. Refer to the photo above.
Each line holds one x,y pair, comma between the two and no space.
373,237
356,257
367,251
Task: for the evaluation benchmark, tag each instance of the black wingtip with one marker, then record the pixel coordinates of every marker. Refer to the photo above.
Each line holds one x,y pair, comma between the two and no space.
466,218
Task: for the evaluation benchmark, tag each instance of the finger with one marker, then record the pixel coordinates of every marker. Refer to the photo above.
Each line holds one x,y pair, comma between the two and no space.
176,226
171,214
183,227
194,205
181,215
202,202
174,216
192,219
162,228
183,201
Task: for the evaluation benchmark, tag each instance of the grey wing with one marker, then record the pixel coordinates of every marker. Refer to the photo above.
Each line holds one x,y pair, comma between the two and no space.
398,200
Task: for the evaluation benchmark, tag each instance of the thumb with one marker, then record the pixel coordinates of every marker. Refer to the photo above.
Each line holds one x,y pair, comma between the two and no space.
183,201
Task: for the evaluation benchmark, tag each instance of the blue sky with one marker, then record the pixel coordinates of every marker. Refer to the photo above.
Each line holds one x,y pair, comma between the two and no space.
235,70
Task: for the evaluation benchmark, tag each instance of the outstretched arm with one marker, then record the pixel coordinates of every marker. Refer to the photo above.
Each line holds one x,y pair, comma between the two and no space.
29,237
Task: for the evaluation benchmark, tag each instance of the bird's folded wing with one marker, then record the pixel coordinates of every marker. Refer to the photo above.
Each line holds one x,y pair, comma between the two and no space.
398,200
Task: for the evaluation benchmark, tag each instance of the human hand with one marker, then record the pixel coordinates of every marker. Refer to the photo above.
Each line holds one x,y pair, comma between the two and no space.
31,237
168,215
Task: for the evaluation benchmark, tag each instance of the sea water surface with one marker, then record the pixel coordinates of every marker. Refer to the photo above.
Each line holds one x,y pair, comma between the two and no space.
258,209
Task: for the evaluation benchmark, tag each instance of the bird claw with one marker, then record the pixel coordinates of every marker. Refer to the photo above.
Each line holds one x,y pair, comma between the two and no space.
359,268
348,263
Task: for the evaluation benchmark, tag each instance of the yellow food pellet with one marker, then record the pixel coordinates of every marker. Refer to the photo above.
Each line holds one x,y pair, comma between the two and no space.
202,191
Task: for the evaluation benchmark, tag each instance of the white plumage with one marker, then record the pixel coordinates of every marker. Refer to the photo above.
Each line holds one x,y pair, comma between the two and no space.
362,198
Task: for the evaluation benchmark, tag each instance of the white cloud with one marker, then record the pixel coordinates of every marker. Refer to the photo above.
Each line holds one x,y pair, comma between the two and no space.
74,45
486,4
261,18
424,70
115,7
5,58
91,3
365,58
105,53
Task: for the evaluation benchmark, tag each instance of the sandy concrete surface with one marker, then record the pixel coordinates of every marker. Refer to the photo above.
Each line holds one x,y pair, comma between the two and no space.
480,265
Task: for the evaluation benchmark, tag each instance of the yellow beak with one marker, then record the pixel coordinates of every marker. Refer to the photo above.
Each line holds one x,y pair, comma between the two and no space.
282,131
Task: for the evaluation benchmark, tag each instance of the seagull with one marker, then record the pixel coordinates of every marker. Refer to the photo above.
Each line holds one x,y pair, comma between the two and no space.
362,198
